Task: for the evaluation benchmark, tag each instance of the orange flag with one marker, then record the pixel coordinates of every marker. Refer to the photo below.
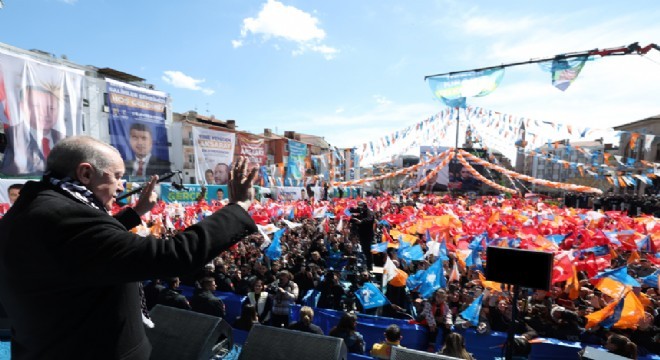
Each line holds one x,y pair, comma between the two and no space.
632,313
492,285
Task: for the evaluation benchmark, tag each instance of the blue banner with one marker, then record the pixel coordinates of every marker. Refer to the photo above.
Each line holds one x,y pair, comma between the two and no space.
191,192
467,84
137,129
296,166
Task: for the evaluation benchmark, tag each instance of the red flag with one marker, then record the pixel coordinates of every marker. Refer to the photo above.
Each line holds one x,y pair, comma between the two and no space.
562,270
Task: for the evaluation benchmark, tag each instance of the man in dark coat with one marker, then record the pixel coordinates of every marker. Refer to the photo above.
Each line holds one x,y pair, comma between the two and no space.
205,302
171,295
88,304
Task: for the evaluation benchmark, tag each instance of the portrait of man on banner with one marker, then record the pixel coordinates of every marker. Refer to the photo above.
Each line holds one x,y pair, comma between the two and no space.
38,110
137,129
145,162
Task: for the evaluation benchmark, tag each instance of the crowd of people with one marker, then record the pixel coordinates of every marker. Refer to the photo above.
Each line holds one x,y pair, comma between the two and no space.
329,257
317,254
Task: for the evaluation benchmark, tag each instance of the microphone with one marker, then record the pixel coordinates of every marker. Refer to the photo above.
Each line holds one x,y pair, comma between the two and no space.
161,178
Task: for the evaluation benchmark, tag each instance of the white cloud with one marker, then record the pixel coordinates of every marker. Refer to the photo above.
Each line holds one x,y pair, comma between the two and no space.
183,81
70,2
339,110
381,100
288,23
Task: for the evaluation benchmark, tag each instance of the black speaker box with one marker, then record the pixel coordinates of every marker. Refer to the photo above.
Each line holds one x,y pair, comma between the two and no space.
184,334
399,353
271,343
525,268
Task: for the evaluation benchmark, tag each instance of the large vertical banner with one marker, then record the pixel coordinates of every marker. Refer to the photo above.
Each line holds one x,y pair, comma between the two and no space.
40,104
214,153
137,129
296,165
254,150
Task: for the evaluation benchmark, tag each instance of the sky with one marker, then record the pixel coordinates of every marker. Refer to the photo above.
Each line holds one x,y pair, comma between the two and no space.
353,71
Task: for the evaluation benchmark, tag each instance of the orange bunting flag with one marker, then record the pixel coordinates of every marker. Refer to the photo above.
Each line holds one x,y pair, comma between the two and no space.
633,140
573,285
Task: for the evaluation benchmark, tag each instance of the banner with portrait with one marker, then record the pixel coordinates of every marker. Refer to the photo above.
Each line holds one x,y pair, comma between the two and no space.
190,193
253,149
442,176
137,128
214,153
295,170
40,104
462,180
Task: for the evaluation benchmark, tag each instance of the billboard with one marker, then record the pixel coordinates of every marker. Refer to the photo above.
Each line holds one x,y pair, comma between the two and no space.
40,104
442,177
296,166
214,153
461,179
254,150
137,129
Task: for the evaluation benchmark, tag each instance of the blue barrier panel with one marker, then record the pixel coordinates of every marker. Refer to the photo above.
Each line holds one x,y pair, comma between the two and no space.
371,327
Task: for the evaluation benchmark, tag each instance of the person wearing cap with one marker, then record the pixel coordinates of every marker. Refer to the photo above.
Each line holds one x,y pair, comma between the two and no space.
285,293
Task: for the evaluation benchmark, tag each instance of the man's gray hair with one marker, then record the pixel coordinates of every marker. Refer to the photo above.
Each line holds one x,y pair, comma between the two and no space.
67,154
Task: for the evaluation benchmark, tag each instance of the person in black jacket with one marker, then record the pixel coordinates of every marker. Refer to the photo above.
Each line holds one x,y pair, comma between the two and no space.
205,302
171,296
94,263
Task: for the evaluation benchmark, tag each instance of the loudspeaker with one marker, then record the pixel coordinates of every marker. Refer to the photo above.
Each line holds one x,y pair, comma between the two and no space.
270,343
526,268
399,353
597,354
184,334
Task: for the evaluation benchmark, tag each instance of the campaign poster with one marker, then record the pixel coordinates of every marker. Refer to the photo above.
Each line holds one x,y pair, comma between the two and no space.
461,179
190,193
137,129
441,181
40,104
253,149
296,166
214,153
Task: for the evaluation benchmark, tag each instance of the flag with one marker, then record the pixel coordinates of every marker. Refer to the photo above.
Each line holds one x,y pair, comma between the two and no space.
370,296
561,271
632,312
471,313
443,251
454,274
652,280
411,253
415,280
274,251
379,248
620,275
565,71
433,279
491,285
615,316
606,313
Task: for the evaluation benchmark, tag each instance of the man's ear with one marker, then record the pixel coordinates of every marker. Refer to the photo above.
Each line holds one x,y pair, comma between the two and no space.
84,173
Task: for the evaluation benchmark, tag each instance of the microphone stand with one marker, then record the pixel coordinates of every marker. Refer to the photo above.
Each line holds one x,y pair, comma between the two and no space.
161,178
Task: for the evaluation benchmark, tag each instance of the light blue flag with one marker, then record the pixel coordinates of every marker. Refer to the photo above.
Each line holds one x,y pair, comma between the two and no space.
557,238
620,275
412,253
433,279
478,242
443,251
471,313
370,297
415,279
402,243
380,247
650,280
274,250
